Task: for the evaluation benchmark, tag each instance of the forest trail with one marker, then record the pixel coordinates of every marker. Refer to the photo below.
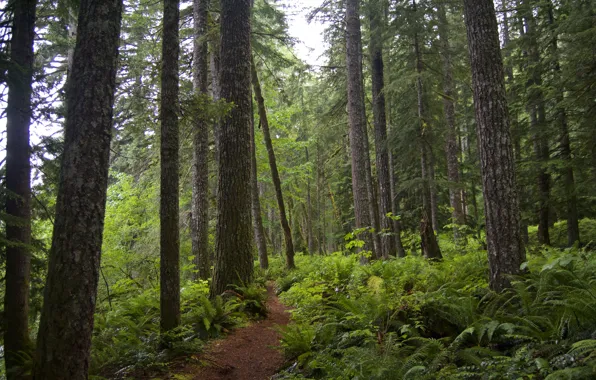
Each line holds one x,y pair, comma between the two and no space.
247,353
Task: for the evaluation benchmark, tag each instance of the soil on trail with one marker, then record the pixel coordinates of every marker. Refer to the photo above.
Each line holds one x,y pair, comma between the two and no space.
247,353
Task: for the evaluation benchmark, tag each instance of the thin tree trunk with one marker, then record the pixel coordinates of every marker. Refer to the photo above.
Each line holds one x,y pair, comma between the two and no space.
200,167
380,123
430,247
274,172
451,145
395,209
311,240
169,190
18,189
357,122
565,148
66,326
233,243
505,246
257,220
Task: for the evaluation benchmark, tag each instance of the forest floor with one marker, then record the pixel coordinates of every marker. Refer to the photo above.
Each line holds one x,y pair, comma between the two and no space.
248,353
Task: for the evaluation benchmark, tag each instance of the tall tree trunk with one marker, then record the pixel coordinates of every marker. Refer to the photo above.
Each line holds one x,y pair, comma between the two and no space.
257,220
18,188
357,122
451,144
430,247
200,165
538,125
434,197
395,209
66,325
311,240
214,67
565,146
273,165
233,243
505,246
169,190
380,123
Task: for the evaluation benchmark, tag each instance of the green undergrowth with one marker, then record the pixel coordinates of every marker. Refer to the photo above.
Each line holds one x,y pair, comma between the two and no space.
414,319
126,336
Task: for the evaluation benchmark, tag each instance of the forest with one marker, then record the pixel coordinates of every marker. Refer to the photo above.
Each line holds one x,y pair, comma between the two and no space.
177,181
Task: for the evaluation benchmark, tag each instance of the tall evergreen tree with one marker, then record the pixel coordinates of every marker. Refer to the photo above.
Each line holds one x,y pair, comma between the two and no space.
66,324
169,201
200,168
505,246
257,219
18,200
233,242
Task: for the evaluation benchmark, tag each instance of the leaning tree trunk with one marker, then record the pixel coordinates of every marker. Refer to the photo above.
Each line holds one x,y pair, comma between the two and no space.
169,202
430,247
357,122
66,326
451,144
380,123
264,122
505,246
200,165
233,243
257,220
18,189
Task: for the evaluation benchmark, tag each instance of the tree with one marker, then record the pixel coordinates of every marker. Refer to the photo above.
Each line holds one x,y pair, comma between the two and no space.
200,168
357,121
233,242
66,324
505,246
168,209
391,246
18,200
264,122
256,203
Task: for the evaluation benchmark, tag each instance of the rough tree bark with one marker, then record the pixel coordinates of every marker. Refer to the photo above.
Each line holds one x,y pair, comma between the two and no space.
357,122
66,324
264,122
257,220
200,164
380,124
430,247
169,203
311,239
505,246
451,144
233,243
18,188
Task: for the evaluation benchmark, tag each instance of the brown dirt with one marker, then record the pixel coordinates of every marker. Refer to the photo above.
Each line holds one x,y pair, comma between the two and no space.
248,353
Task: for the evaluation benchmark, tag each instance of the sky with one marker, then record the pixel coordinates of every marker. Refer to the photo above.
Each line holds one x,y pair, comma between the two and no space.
311,45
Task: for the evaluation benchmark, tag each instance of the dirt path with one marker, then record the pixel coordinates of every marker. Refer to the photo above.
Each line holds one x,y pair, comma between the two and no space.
247,353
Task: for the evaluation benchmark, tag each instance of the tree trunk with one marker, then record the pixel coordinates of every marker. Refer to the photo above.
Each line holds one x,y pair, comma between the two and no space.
505,246
395,209
233,243
169,204
380,123
257,220
66,324
18,189
311,240
200,166
274,172
430,247
451,144
565,147
357,122
538,125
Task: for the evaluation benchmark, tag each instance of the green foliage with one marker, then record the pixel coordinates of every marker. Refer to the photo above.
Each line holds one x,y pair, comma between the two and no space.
413,319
